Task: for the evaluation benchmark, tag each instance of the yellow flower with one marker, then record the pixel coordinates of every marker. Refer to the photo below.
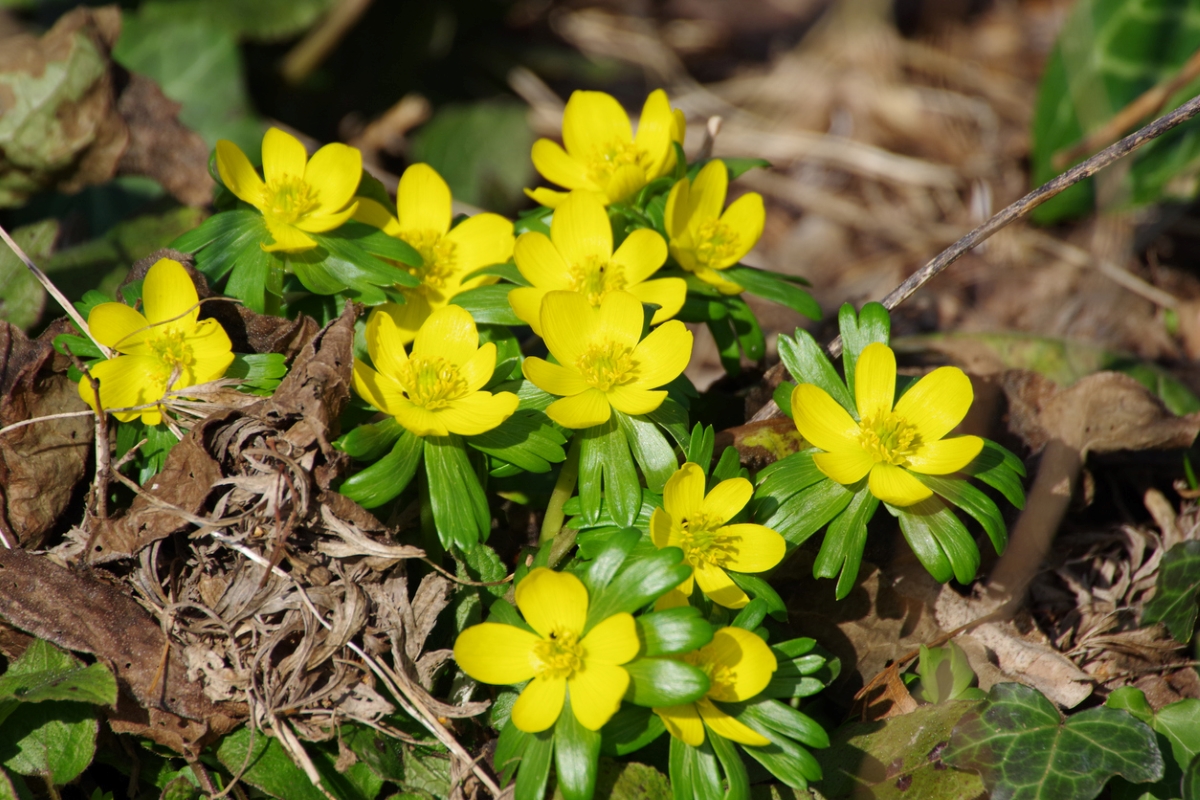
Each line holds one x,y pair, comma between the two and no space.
739,665
888,442
423,206
578,257
696,525
602,155
558,657
166,350
435,391
704,240
601,364
299,196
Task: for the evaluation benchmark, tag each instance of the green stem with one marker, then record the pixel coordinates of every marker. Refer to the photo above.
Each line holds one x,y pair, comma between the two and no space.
564,487
272,304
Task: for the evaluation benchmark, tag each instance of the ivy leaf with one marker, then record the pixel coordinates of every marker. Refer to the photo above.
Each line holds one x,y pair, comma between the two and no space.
1021,747
1174,602
55,740
43,672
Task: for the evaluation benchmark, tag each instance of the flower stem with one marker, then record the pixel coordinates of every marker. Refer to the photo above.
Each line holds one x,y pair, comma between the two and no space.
563,488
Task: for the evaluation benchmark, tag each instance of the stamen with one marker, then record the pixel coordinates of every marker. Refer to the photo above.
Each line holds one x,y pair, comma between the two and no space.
288,199
720,676
607,160
701,541
715,242
438,253
606,365
596,278
888,438
171,348
560,656
432,383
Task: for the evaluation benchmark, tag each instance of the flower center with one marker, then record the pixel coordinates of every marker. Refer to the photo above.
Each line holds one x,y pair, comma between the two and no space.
715,242
721,678
606,161
595,278
170,346
606,365
288,199
439,256
559,656
701,541
888,438
432,382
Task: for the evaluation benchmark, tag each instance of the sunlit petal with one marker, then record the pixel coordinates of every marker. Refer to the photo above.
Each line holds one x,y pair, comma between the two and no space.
895,486
620,320
875,380
546,197
494,653
540,704
334,173
663,355
526,302
727,727
666,293
481,241
286,238
937,402
707,196
612,641
593,124
655,131
116,325
553,164
540,262
553,378
746,216
322,221
421,421
581,230
283,157
386,338
126,381
945,456
569,324
642,252
169,294
238,174
726,499
449,333
552,602
845,466
423,201
683,722
822,421
675,216
660,526
376,215
477,413
749,658
683,494
715,279
625,180
634,401
581,411
719,587
757,549
596,693
478,369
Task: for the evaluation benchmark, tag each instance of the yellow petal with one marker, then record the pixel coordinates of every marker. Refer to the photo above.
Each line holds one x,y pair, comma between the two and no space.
494,653
593,123
822,421
540,262
676,214
369,385
553,378
707,196
552,602
376,215
714,278
945,456
581,411
410,315
642,252
478,369
287,238
386,339
546,197
581,231
481,241
211,350
117,325
477,413
569,324
421,421
662,355
283,156
683,494
553,164
683,722
719,587
635,401
748,656
526,302
449,333
893,485
676,598
937,402
655,132
540,704
845,466
661,525
746,216
726,499
238,174
127,381
169,294
322,221
757,548
423,201
666,293
334,173
620,320
727,727
612,641
625,180
875,380
596,694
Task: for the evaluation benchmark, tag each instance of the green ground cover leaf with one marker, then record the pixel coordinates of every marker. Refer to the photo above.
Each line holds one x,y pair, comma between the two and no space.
1174,602
55,740
1020,745
43,672
22,298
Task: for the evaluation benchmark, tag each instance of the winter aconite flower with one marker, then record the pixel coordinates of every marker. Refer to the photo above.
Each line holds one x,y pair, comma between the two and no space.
556,655
703,239
601,364
889,443
166,350
297,196
578,257
602,155
435,390
739,665
696,524
423,208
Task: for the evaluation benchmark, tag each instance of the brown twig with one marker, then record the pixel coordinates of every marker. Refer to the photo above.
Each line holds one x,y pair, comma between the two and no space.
322,40
1150,102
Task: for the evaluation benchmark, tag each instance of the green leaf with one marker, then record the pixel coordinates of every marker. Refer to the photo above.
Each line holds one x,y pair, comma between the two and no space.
807,364
508,271
870,325
802,515
768,285
1177,724
1174,601
54,740
659,682
760,589
460,508
1107,54
783,757
650,449
1001,470
43,673
700,449
606,470
630,729
944,674
673,631
527,439
782,719
489,305
609,559
387,477
939,540
974,502
745,324
788,476
374,241
618,780
841,551
260,373
22,298
510,748
535,766
1017,741
370,441
1190,785
739,166
638,584
737,782
8,788
268,766
672,418
576,755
